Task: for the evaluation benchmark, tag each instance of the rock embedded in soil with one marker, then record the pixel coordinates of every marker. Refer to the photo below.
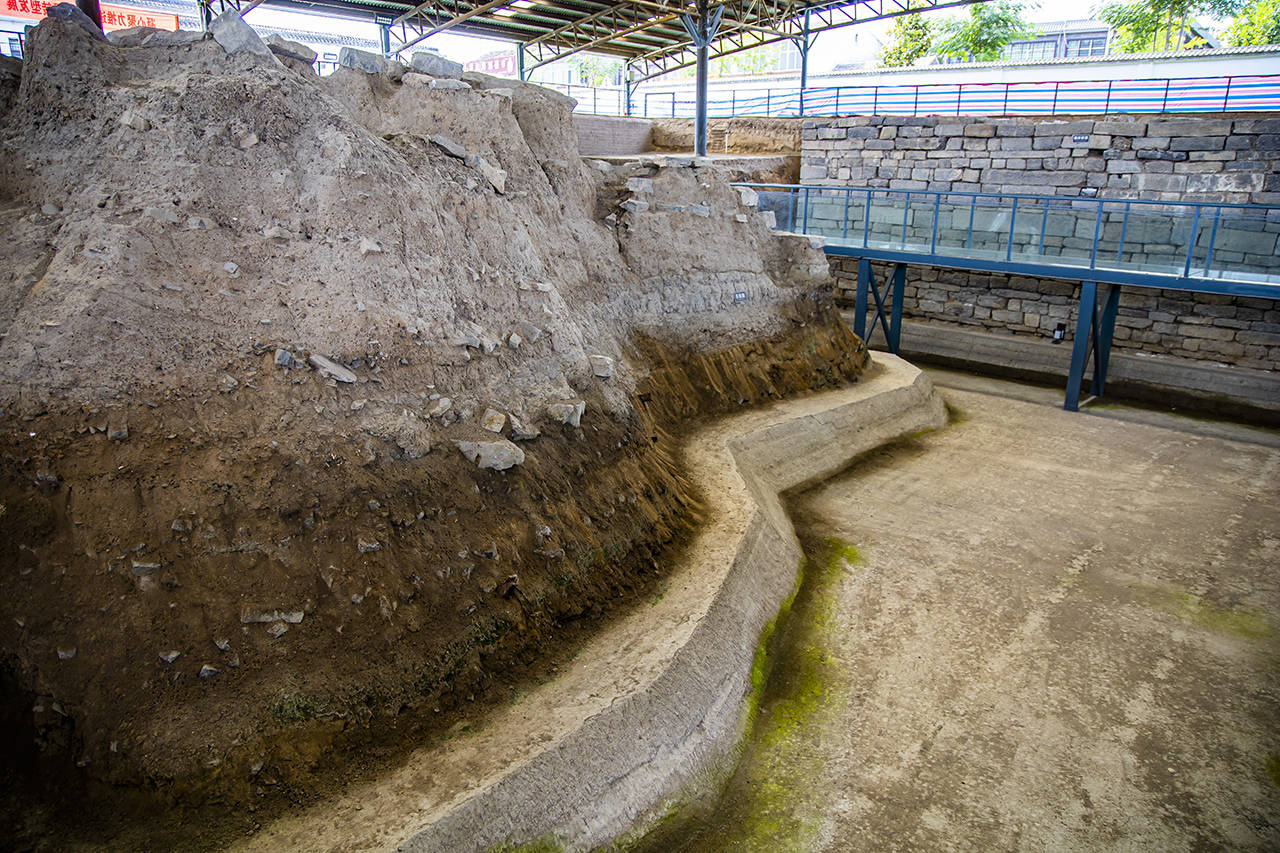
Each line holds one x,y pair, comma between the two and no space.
569,414
331,369
426,62
235,36
497,454
284,48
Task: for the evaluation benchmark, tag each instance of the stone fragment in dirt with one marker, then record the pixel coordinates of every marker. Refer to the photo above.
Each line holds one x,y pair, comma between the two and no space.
569,413
426,62
250,139
520,432
493,420
152,37
741,217
198,223
437,408
142,569
251,616
369,246
369,63
119,432
207,671
50,209
72,13
232,269
640,185
170,656
635,205
161,214
448,146
331,369
514,340
366,546
529,332
277,232
131,119
65,653
700,210
223,645
496,177
444,83
286,359
235,36
601,366
748,197
498,454
277,630
283,47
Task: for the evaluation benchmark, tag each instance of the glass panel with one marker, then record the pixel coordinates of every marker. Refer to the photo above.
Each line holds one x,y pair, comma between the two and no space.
885,221
784,206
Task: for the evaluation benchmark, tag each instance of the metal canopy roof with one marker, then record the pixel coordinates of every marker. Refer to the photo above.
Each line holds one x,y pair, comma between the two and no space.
649,34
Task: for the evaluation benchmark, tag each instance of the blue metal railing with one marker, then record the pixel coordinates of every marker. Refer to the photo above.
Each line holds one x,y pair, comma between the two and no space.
1148,95
1199,246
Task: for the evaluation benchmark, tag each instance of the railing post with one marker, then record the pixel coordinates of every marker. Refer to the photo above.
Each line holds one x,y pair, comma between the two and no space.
906,211
1097,235
915,101
866,222
933,241
973,207
768,106
1164,102
804,228
1013,217
844,230
1004,107
1106,107
1124,228
895,311
1191,243
875,98
959,95
1213,236
1053,108
1044,226
1226,96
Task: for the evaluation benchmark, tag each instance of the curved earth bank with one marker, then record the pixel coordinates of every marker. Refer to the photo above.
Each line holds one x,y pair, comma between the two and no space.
652,709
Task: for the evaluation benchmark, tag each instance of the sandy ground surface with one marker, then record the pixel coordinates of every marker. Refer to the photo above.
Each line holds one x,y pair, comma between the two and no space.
1057,632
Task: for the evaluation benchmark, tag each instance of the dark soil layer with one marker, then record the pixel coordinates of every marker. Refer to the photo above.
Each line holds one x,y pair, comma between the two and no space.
425,585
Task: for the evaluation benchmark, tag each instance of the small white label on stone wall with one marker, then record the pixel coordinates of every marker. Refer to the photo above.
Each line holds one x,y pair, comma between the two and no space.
739,296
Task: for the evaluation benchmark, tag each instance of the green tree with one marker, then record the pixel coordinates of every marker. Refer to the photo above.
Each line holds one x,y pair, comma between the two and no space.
984,34
1157,25
910,39
1256,23
591,69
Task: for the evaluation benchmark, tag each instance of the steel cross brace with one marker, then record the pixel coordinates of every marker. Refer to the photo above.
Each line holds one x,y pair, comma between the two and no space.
891,325
1095,327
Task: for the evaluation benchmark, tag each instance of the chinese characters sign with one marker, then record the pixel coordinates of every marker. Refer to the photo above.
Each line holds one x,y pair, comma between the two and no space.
113,17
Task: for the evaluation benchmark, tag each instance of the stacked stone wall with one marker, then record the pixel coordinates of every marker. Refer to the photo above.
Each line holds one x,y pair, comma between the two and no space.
1206,158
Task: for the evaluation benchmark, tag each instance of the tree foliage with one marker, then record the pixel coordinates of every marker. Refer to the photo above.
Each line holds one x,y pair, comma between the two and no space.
910,39
1256,23
1157,25
984,34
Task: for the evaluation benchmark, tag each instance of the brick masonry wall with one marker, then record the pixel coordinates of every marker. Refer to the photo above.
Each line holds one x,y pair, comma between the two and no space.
1192,158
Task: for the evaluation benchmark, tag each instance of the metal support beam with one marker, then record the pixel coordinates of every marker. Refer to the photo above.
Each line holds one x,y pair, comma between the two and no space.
520,60
1095,329
384,38
702,31
803,44
894,290
628,88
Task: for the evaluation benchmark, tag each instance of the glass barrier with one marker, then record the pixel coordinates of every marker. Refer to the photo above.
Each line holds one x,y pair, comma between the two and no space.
1202,241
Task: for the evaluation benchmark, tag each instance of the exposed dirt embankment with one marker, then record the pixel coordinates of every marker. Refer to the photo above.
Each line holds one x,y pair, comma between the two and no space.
731,135
326,402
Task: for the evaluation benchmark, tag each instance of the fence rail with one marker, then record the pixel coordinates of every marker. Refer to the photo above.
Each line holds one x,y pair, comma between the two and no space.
1208,246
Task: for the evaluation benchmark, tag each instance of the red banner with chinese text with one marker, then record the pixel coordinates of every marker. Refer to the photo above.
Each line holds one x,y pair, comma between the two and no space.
113,17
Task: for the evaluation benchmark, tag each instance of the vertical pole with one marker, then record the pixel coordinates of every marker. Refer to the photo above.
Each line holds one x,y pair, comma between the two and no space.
1086,319
895,311
627,92
92,9
860,299
1103,334
520,61
700,112
384,39
803,44
206,15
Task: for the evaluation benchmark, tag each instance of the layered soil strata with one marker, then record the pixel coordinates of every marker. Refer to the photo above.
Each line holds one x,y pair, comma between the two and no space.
327,403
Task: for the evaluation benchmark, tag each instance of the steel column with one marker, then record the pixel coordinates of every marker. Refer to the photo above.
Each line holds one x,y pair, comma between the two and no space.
1086,321
384,39
520,61
894,290
804,43
1094,332
702,31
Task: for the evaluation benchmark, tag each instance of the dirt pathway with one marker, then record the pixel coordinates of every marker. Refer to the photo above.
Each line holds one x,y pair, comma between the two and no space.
1030,631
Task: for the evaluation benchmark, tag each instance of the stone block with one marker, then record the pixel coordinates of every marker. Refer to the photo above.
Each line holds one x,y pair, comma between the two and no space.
982,130
1188,127
235,36
435,65
1197,143
283,47
370,63
1063,128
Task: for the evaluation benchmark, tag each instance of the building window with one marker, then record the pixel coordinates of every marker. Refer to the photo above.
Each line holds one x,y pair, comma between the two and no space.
15,48
1096,46
1029,51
